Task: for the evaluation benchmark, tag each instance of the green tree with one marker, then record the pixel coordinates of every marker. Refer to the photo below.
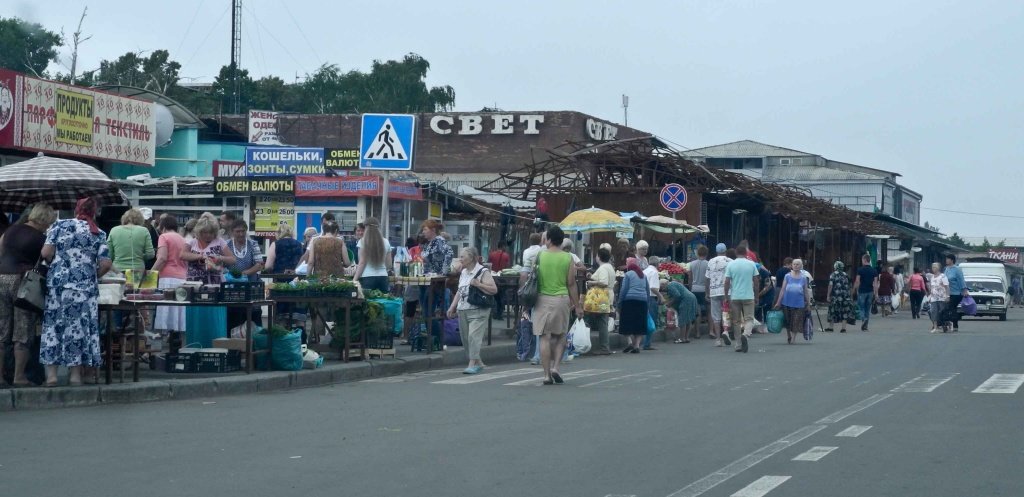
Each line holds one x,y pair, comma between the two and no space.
398,86
1001,244
956,240
985,245
157,72
272,93
27,47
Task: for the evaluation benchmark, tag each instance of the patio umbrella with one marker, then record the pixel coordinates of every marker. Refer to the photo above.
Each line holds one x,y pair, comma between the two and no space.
664,224
594,220
57,182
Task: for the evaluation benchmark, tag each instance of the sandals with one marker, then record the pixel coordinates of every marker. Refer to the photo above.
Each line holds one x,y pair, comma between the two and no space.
557,377
680,340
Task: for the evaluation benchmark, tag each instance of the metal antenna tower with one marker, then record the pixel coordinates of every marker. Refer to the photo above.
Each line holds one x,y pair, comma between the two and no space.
236,51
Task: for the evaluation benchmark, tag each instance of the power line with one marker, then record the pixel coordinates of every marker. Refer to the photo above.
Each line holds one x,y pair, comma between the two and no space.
274,38
184,37
972,213
301,31
207,37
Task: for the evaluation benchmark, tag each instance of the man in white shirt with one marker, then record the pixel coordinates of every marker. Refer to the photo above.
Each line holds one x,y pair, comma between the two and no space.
716,293
529,259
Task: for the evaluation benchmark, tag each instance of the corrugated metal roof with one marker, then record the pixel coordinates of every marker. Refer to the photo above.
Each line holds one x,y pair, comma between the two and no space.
745,148
814,173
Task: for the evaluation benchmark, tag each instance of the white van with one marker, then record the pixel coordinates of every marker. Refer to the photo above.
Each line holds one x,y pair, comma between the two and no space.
985,269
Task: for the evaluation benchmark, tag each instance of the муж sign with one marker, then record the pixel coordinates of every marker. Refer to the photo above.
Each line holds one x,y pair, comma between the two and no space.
284,161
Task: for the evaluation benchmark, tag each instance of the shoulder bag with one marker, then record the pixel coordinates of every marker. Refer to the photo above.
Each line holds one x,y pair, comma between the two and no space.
476,297
529,292
31,293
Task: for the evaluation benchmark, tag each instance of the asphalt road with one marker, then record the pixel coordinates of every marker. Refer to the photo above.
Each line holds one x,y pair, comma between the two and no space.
892,412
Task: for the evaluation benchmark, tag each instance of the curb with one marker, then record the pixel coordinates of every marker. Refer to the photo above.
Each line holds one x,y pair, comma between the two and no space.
24,399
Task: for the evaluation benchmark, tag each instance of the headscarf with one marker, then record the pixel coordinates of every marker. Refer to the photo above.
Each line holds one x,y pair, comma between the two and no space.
86,211
631,265
838,266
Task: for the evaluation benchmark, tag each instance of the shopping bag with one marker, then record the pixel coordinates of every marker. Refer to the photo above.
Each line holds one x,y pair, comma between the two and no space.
897,300
579,336
286,352
808,326
775,320
969,306
31,292
451,333
650,324
524,340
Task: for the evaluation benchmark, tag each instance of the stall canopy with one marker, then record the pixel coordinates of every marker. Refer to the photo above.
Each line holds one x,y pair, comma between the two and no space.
664,224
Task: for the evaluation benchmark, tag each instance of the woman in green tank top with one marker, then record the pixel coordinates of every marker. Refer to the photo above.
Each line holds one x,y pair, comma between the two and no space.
557,294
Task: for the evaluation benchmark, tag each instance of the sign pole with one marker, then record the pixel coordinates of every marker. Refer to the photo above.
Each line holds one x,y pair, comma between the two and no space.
384,206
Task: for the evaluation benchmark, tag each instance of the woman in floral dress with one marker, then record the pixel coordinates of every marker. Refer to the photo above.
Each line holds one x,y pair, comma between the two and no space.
206,255
78,256
840,303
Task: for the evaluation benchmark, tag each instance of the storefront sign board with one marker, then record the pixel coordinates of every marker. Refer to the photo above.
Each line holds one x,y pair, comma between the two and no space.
52,117
271,212
341,161
243,187
284,161
263,127
339,186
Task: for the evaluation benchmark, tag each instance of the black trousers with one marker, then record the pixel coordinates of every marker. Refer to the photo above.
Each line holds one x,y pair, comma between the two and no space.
952,313
916,297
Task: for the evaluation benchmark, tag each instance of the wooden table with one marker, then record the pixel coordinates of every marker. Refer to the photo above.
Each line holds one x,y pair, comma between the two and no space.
508,286
137,306
433,284
330,305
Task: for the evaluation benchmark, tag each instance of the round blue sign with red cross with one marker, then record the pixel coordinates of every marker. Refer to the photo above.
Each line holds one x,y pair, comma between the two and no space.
673,197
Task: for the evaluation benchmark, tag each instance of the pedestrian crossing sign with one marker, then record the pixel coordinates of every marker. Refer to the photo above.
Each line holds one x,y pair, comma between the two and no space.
387,142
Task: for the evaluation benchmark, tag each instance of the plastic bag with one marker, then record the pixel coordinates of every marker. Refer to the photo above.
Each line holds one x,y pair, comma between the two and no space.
312,360
775,320
451,333
969,306
286,352
393,311
651,327
808,326
579,336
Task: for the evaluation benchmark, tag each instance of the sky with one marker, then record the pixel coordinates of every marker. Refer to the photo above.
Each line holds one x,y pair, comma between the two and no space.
931,89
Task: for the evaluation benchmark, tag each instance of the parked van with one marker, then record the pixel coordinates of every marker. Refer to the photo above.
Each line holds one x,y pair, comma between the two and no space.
985,269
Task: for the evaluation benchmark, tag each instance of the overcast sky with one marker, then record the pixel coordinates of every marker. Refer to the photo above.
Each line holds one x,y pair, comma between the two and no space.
932,89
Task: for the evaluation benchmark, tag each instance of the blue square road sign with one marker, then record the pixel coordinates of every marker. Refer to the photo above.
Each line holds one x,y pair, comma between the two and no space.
387,142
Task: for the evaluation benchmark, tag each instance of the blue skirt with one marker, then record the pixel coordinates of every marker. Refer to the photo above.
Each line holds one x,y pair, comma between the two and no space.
203,324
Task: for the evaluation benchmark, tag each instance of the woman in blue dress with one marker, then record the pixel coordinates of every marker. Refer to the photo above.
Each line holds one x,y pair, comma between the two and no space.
78,256
206,255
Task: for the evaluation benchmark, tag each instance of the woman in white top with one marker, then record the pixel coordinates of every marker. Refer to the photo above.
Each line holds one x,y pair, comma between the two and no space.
472,319
938,296
603,277
374,258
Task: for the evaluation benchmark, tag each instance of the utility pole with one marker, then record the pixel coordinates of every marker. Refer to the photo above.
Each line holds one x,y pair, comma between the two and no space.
625,109
236,51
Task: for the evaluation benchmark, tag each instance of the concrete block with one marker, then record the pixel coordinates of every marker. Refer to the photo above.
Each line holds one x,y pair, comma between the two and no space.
193,388
6,400
236,385
350,372
312,378
124,393
49,398
498,353
415,363
454,356
387,367
269,382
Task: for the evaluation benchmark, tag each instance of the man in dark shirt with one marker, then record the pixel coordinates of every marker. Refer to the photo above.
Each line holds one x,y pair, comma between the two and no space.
780,274
886,289
499,260
865,288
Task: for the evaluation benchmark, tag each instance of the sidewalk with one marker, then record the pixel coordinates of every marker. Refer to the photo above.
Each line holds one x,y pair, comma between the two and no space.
158,385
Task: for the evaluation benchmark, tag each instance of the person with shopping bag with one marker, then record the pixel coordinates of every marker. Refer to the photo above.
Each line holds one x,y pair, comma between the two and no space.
557,294
632,306
597,305
793,300
472,306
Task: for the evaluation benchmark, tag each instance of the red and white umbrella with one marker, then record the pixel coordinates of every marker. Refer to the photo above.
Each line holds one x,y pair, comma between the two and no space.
57,182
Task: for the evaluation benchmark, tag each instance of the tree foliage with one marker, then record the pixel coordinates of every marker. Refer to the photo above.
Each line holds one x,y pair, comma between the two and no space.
27,47
956,240
391,86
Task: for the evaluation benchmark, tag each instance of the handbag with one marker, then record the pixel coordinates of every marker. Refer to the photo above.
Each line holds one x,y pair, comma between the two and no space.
529,292
31,293
476,297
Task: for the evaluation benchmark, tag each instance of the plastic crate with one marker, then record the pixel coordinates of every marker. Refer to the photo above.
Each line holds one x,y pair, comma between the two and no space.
215,362
179,363
241,291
